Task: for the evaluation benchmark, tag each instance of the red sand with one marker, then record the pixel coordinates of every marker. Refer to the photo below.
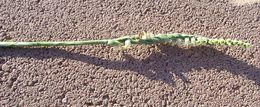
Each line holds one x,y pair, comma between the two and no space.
145,75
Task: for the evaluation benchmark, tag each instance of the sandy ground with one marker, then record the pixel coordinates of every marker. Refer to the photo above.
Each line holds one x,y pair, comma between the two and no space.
244,2
143,76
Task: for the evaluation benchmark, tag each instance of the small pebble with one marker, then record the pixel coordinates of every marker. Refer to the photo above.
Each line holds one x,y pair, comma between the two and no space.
6,67
64,100
1,72
21,103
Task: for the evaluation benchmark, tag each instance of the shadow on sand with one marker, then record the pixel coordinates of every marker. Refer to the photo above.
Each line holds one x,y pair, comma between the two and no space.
158,66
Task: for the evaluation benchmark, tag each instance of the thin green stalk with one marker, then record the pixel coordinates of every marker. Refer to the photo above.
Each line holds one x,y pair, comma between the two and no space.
145,38
50,43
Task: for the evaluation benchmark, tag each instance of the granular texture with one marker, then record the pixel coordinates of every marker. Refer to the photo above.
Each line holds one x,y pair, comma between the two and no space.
154,75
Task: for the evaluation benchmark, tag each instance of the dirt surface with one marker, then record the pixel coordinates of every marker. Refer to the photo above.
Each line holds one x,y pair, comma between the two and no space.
142,76
243,2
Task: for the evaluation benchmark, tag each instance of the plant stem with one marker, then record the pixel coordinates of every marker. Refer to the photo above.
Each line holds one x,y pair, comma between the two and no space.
145,38
52,43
